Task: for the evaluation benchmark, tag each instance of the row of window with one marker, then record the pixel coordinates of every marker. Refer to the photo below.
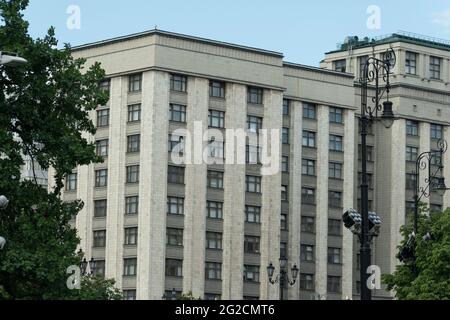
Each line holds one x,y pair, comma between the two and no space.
307,254
335,141
412,129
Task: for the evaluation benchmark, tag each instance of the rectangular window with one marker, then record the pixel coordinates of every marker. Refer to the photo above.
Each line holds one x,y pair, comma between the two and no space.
436,159
335,170
215,179
336,115
308,196
213,271
134,143
284,193
308,167
99,239
307,282
134,113
101,178
436,131
412,128
335,199
255,95
285,164
334,256
217,89
410,63
251,273
254,124
177,113
340,65
362,65
307,253
336,143
71,181
369,153
100,207
251,245
131,236
309,139
411,180
252,214
216,149
175,175
135,83
283,249
132,174
105,85
334,284
175,205
253,184
334,227
174,237
212,297
412,153
101,147
308,224
252,154
129,295
99,269
176,144
131,205
309,111
178,83
286,107
285,136
216,119
213,240
214,210
174,268
129,267
284,222
103,118
435,68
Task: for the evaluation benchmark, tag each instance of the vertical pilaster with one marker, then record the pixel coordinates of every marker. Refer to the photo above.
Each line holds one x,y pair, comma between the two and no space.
400,65
447,169
425,146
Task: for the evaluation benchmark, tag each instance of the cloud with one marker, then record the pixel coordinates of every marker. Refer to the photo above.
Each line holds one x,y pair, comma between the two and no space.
442,19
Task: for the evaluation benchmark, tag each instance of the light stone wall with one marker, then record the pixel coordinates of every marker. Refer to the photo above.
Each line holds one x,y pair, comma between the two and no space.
425,146
447,169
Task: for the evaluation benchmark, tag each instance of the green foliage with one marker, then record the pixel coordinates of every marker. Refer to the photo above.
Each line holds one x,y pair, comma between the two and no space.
429,278
95,288
187,296
44,112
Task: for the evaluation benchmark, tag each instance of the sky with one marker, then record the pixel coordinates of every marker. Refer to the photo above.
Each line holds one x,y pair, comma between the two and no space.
302,30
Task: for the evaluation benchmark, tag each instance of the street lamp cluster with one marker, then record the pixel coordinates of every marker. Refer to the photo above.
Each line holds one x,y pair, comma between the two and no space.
282,278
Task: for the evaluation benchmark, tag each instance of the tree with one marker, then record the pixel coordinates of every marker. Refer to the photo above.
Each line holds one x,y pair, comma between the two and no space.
429,277
96,288
44,111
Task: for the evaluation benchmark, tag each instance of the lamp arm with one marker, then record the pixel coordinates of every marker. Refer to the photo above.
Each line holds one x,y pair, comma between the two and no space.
277,279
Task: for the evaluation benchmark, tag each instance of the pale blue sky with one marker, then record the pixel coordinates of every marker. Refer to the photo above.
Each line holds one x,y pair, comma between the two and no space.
302,30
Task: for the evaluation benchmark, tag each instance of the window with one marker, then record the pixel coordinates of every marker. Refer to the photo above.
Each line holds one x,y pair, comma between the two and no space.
436,158
307,253
340,65
283,249
362,65
176,144
334,284
252,214
435,67
217,89
213,271
103,118
307,282
286,107
255,95
334,227
105,85
135,83
216,149
212,296
308,224
101,178
251,273
132,174
411,153
175,175
435,208
334,256
253,184
369,153
214,210
177,113
412,128
251,245
131,236
215,179
284,193
213,240
174,268
216,119
71,182
285,164
100,208
131,205
284,222
250,298
129,267
252,154
387,57
436,131
101,147
309,139
178,83
336,115
174,237
285,136
308,167
308,196
133,143
309,111
134,113
175,205
336,143
254,124
335,199
99,269
129,295
411,180
410,62
99,239
335,170
410,206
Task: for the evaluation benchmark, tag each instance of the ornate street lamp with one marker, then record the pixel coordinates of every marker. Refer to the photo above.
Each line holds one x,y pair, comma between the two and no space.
84,267
282,278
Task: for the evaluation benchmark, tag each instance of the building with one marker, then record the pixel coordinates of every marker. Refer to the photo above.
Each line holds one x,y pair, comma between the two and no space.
31,170
213,229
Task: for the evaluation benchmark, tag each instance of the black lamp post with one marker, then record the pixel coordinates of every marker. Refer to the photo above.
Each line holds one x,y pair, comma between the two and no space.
282,278
374,71
84,267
